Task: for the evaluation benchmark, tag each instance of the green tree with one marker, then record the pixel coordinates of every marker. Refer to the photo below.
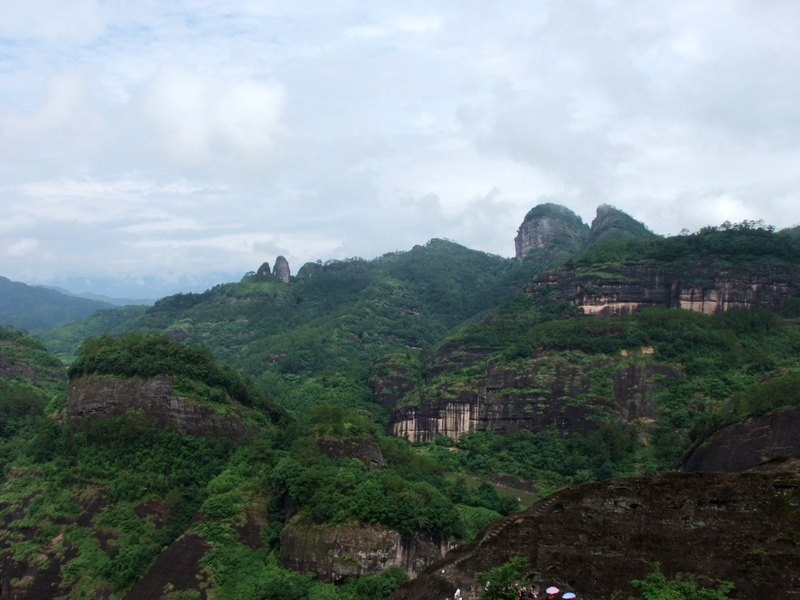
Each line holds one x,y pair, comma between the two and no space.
683,587
501,583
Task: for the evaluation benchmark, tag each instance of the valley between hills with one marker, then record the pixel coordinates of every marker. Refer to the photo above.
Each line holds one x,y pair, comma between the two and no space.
607,407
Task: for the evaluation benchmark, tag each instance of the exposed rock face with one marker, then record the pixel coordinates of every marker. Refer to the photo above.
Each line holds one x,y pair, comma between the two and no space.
741,446
702,287
264,270
611,224
178,566
364,450
552,392
549,224
334,553
101,397
594,538
389,382
281,270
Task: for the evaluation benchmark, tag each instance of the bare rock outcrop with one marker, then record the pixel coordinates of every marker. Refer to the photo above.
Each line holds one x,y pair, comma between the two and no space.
738,447
595,538
551,392
334,553
702,287
264,270
281,270
548,225
102,397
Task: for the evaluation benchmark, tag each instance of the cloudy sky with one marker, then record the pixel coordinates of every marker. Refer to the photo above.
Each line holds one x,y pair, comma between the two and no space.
152,147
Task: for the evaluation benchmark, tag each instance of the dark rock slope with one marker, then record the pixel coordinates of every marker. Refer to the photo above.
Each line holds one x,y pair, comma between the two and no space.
593,539
741,446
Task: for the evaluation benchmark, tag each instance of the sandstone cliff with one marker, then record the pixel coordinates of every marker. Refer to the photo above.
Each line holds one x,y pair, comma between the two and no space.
552,390
281,270
551,226
594,538
101,397
702,286
334,553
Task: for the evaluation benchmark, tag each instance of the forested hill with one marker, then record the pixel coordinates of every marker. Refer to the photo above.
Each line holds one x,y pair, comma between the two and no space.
29,307
370,414
331,315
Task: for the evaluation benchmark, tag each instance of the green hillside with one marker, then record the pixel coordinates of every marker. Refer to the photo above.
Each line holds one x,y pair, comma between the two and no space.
317,370
28,307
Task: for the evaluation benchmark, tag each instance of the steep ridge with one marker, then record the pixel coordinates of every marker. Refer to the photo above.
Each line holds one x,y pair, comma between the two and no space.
595,538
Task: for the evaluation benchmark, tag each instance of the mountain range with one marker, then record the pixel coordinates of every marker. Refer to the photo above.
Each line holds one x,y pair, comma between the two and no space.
432,412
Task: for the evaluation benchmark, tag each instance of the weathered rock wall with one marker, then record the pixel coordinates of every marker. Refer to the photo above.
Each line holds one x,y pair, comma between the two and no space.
741,446
102,397
334,553
548,225
595,538
701,287
553,392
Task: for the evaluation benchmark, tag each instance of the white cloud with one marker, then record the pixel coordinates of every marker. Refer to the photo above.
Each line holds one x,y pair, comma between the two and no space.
140,140
196,114
22,248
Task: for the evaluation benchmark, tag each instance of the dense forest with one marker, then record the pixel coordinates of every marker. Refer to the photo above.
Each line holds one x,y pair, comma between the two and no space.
91,504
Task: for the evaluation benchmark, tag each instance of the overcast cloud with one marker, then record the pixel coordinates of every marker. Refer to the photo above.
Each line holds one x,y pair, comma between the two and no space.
152,147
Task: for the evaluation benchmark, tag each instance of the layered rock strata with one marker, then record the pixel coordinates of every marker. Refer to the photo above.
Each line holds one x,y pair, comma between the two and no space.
334,553
102,397
551,392
702,287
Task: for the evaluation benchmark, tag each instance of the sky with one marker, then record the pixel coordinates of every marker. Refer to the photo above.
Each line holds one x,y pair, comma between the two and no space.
148,148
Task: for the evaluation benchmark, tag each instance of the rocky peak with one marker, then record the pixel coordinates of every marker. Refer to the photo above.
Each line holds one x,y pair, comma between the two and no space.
281,270
264,270
611,224
550,225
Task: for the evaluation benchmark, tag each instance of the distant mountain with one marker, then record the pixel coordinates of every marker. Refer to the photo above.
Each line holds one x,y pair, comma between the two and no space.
31,307
102,298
